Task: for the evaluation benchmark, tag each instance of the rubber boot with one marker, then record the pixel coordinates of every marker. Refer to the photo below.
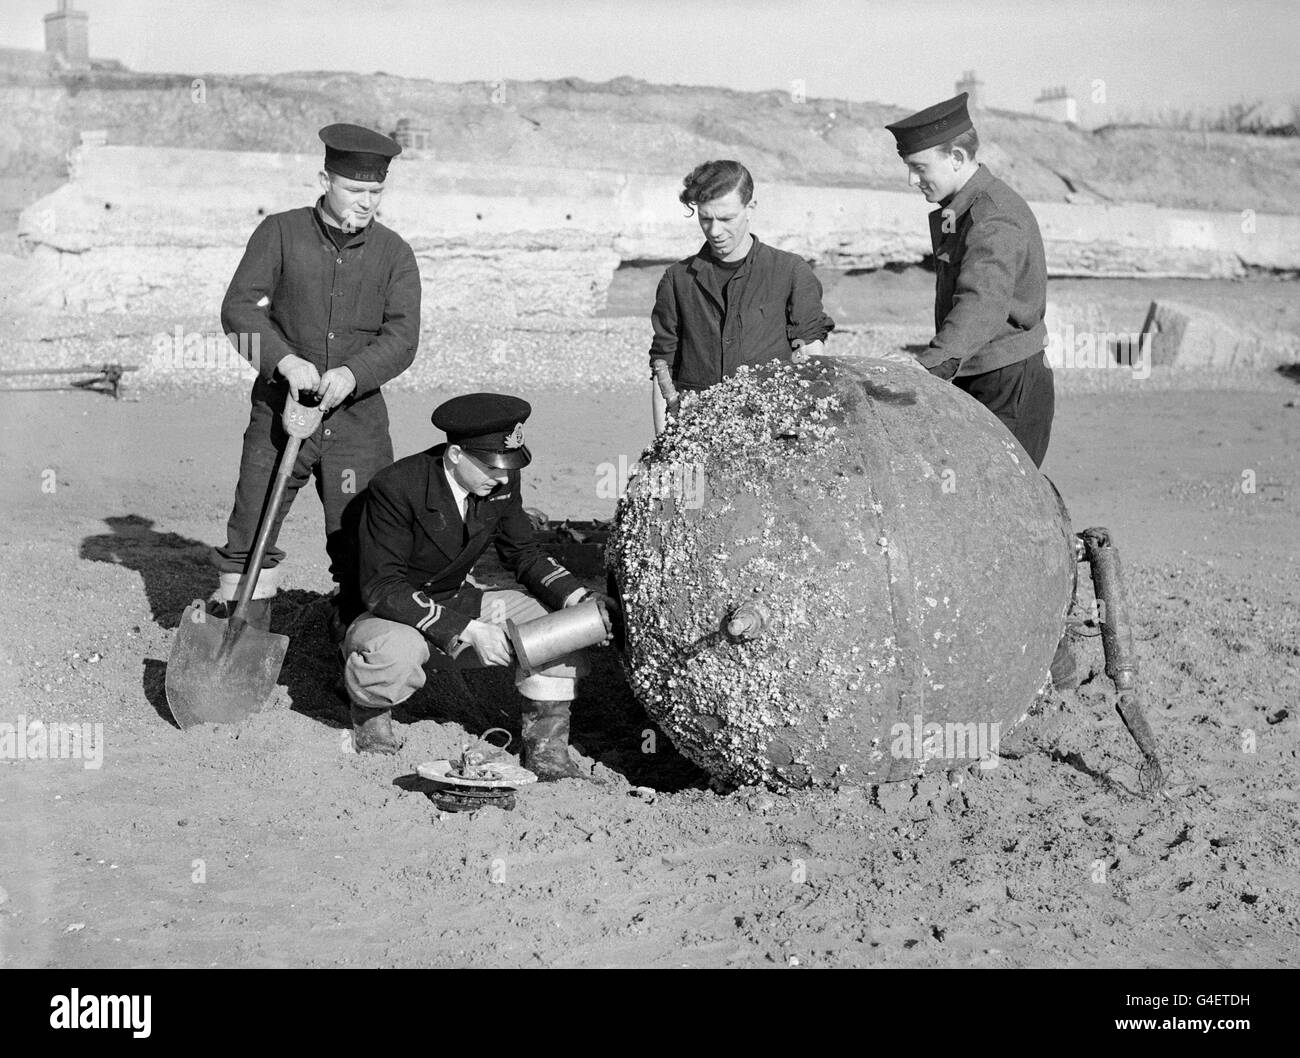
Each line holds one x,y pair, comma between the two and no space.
545,727
372,731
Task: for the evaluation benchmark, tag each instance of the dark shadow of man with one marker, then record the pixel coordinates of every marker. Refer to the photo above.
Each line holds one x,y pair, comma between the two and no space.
175,570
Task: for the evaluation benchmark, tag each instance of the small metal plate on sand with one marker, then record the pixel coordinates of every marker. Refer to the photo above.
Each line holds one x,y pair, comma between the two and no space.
490,775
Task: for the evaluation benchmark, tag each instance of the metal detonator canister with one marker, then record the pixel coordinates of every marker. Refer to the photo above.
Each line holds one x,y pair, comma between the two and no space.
539,642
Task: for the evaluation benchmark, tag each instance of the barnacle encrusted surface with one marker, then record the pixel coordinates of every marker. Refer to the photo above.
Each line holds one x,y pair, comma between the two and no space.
811,493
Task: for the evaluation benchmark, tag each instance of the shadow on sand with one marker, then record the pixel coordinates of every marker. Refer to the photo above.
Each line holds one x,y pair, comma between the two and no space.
608,724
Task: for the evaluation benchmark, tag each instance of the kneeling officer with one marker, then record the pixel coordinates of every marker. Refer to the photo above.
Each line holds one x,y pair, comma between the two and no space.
426,521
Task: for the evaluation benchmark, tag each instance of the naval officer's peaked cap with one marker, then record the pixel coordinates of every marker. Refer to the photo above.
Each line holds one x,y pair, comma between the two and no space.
489,426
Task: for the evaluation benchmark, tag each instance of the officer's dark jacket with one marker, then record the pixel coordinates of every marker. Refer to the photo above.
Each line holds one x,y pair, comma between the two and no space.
412,559
357,306
991,285
773,298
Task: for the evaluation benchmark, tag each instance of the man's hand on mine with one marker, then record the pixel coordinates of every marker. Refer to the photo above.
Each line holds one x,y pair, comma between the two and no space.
608,605
898,356
946,369
801,350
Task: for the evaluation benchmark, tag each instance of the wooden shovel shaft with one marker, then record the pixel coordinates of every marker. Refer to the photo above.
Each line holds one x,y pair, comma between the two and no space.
254,568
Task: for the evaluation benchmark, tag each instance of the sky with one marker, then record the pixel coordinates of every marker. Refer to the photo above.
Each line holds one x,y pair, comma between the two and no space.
1119,58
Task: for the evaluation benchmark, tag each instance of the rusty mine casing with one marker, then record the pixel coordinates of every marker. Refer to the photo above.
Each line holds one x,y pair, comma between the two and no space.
817,561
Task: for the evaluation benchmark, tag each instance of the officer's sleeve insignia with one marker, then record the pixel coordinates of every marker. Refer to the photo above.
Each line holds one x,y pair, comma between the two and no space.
432,610
556,573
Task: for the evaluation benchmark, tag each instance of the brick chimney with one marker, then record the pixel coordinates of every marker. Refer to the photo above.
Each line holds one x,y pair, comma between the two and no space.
67,36
973,87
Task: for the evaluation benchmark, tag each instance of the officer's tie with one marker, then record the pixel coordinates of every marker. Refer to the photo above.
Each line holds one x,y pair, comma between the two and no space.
473,517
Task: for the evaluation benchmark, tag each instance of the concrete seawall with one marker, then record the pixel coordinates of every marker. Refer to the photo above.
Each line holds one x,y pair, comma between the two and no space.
136,228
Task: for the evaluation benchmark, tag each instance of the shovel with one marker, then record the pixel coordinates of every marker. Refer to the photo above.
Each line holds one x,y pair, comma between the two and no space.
221,671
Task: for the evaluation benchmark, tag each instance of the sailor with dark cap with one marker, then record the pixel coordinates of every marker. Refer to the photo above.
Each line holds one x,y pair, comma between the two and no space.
991,275
991,288
326,301
426,521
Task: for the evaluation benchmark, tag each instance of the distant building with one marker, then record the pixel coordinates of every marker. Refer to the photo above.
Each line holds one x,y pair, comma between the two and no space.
25,64
67,36
973,87
1056,104
411,137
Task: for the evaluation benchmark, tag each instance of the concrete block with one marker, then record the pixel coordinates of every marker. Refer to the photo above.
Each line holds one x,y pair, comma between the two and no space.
1187,336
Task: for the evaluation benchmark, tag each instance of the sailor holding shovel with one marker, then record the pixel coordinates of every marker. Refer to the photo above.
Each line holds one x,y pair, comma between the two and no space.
333,299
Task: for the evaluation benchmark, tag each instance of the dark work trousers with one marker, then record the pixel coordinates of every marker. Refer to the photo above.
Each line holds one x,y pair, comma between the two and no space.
1023,396
350,446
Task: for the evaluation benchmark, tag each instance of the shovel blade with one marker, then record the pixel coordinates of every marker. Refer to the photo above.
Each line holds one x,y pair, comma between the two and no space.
216,676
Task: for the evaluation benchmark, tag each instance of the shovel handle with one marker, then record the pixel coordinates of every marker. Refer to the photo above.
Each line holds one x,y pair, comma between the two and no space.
254,568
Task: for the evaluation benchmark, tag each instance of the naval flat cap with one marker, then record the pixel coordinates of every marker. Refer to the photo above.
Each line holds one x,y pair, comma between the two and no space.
358,153
932,126
489,426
